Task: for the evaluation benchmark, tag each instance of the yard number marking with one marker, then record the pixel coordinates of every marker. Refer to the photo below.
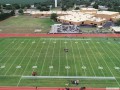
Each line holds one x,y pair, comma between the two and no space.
100,67
83,67
67,67
34,67
117,68
43,42
2,67
18,66
33,42
50,67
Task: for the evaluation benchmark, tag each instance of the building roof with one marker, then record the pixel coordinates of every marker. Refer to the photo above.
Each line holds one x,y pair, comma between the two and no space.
107,12
79,17
89,9
116,28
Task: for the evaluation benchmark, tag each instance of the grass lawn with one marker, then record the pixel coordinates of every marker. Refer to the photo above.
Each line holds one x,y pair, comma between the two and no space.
25,24
88,57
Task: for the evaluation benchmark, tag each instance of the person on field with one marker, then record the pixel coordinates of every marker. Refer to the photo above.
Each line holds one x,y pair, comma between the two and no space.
65,50
34,73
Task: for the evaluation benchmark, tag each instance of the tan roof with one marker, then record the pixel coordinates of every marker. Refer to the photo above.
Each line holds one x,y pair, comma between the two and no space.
89,9
79,17
107,12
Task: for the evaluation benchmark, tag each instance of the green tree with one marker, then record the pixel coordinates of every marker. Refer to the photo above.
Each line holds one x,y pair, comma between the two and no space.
16,6
64,8
95,6
8,7
77,8
20,11
12,13
117,22
54,16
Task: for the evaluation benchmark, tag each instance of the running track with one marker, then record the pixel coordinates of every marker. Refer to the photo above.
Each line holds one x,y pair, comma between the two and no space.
39,88
59,35
55,35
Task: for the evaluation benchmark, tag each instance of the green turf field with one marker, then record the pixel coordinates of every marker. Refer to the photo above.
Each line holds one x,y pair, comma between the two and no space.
88,57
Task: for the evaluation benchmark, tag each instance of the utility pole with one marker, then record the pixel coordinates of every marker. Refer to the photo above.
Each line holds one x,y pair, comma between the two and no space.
55,3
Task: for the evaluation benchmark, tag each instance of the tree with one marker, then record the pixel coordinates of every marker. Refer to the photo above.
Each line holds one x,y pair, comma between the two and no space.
64,8
12,13
77,8
20,11
16,6
95,6
117,22
54,16
8,7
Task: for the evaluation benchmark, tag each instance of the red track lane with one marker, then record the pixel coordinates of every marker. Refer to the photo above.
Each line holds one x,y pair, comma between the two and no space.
59,35
47,88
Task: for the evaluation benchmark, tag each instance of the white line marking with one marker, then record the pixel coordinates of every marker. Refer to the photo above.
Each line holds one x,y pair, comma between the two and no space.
80,56
34,67
45,58
99,67
83,67
43,42
2,67
7,47
74,59
52,57
67,77
59,59
67,67
15,58
39,55
89,60
107,64
117,68
23,56
28,62
76,42
50,67
18,66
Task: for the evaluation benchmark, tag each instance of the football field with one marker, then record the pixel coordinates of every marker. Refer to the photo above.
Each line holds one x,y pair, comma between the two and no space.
94,61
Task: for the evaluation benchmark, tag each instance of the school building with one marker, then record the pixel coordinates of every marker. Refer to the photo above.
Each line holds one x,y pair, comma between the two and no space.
89,16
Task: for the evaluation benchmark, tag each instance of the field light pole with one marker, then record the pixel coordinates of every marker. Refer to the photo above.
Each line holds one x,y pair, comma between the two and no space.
55,3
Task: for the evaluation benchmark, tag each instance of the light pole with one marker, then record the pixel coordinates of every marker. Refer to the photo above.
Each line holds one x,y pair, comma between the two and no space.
55,3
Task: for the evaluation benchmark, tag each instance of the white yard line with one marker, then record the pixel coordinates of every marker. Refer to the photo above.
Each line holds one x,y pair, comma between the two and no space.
27,64
45,58
8,52
96,58
59,59
52,58
39,55
11,54
15,60
22,59
81,58
89,60
108,56
107,65
74,59
66,59
113,54
6,47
